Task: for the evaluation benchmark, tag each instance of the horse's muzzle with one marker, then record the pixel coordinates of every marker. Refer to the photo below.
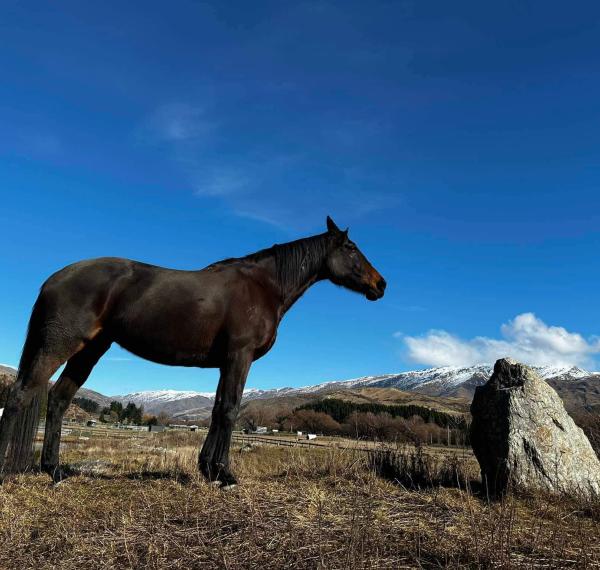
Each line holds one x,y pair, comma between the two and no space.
375,293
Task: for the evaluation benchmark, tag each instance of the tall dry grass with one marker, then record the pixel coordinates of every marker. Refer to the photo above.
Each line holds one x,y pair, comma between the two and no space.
140,504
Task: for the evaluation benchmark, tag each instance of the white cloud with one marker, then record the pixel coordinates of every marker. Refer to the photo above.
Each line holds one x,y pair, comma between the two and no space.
525,338
177,122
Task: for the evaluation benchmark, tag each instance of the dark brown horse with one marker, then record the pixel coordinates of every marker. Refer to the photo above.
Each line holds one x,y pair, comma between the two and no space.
224,316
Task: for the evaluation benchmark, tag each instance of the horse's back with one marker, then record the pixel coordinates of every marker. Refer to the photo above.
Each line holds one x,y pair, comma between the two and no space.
165,315
101,267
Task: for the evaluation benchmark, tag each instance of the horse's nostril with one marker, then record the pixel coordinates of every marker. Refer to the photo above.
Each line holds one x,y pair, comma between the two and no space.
381,284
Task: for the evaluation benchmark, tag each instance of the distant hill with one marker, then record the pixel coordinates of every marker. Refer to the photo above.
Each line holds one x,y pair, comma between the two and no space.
102,400
447,382
446,387
582,394
177,404
393,396
266,410
7,377
74,412
7,370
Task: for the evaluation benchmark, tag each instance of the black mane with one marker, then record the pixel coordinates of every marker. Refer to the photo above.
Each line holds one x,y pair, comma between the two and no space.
296,260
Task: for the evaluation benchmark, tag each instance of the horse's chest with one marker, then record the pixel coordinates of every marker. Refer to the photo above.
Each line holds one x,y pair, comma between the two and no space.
261,326
265,346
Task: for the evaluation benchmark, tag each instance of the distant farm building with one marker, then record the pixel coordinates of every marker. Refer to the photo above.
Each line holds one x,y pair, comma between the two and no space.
132,427
183,427
311,436
157,428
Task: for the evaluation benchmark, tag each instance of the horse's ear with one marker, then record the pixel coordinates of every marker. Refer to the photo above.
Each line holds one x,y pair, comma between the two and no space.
331,227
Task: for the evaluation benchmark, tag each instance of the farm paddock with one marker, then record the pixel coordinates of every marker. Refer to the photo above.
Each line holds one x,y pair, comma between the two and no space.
139,503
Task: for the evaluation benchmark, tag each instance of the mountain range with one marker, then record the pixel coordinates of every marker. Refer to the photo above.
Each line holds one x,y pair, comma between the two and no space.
580,389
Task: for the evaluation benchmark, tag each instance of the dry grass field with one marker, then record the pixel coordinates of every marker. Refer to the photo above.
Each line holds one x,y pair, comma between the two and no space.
139,503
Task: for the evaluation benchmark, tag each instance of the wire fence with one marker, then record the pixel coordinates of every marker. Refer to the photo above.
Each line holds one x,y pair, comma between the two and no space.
78,432
281,442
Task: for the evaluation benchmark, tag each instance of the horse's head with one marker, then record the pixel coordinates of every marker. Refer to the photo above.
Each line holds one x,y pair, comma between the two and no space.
348,267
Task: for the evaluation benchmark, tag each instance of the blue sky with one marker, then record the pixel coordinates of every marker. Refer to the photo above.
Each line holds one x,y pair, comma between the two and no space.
459,141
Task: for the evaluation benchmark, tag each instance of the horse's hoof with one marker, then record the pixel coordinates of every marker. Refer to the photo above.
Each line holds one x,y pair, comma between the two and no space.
57,474
229,487
215,483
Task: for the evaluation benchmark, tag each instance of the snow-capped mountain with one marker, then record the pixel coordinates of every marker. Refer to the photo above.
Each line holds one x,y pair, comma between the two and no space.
442,381
164,396
172,402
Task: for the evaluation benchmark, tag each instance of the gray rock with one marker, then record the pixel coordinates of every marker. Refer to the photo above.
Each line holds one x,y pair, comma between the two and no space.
524,439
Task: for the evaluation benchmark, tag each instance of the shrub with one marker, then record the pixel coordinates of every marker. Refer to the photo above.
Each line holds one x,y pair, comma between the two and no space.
415,469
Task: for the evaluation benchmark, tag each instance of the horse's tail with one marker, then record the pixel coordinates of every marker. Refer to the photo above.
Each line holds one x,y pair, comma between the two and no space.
27,396
22,432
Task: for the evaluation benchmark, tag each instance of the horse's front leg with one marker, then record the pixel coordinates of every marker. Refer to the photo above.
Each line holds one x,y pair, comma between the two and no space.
213,461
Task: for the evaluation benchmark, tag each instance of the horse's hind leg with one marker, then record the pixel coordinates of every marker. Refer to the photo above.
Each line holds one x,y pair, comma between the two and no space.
21,415
76,372
57,330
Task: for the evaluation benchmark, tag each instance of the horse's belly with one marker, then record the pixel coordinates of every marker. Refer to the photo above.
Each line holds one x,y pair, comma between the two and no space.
173,357
174,344
175,326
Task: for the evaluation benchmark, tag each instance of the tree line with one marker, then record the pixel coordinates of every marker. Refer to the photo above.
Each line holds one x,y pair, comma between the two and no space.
87,405
401,423
116,412
340,410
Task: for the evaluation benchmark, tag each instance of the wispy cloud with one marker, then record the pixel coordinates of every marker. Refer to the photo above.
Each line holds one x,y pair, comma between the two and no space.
526,338
221,182
270,216
176,123
275,185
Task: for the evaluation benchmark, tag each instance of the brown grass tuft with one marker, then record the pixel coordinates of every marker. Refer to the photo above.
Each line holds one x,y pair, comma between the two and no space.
140,503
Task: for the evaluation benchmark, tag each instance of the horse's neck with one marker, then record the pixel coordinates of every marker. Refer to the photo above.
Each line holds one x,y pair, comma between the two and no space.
309,270
290,297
